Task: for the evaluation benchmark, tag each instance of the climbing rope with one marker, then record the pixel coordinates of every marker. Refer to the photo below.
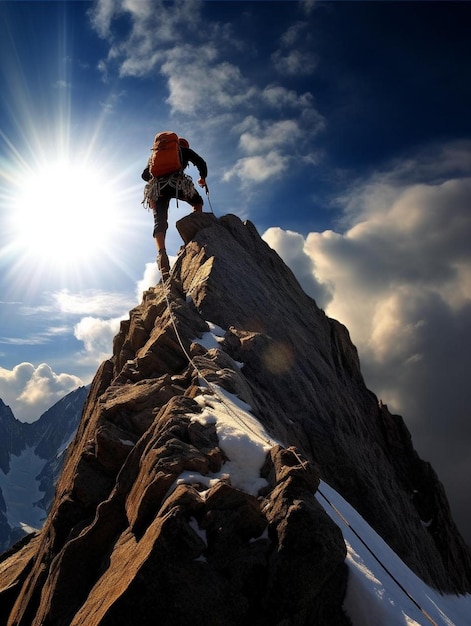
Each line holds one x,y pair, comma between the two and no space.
358,536
377,559
247,426
206,188
213,388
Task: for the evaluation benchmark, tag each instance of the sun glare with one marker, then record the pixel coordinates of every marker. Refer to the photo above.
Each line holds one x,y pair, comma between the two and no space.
64,184
63,213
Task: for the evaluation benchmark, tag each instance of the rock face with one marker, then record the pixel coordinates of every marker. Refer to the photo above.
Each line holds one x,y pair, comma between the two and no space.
128,540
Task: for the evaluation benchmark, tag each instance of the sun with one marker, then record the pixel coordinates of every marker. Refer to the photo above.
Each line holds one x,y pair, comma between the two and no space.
63,212
67,176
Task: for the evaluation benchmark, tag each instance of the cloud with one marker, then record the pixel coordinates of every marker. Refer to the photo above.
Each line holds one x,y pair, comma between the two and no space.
272,146
293,33
291,247
91,315
399,278
153,27
278,96
205,80
295,57
97,333
294,62
101,16
150,278
264,137
257,168
113,99
30,340
31,390
309,5
90,301
97,336
199,82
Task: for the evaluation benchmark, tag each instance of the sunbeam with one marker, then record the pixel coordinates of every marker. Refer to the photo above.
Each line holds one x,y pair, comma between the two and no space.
63,195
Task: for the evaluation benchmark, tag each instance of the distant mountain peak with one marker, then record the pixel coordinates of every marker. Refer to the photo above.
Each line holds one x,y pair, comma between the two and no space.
30,463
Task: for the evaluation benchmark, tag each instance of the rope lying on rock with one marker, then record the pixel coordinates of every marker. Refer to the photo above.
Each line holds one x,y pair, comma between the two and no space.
213,388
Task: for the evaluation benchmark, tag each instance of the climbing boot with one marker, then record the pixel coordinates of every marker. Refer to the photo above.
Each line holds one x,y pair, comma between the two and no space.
163,263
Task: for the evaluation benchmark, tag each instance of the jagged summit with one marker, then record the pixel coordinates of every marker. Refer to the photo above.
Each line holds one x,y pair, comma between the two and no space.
146,526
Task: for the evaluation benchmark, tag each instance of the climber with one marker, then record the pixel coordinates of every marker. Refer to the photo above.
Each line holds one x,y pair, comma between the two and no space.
166,180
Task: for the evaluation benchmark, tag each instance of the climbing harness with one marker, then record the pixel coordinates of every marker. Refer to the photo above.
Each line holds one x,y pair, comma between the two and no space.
270,442
178,181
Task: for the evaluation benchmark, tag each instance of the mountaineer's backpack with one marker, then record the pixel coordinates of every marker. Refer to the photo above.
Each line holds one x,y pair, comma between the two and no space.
166,155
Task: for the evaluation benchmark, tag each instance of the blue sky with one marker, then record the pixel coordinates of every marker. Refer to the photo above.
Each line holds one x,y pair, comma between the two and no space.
340,129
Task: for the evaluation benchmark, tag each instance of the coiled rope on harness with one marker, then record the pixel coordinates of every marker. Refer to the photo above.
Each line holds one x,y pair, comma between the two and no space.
247,426
178,181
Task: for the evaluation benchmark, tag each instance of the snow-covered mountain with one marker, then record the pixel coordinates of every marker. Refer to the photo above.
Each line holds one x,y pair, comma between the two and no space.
231,467
31,458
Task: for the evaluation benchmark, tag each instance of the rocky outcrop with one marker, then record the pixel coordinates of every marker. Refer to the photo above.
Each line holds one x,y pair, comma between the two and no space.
128,549
146,523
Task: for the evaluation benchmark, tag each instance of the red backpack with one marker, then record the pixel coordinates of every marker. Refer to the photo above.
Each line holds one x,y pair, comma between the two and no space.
166,155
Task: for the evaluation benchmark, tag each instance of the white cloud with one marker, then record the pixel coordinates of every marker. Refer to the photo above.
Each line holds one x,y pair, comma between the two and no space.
258,168
102,14
278,96
271,146
206,80
150,278
91,302
266,137
155,26
407,255
399,278
294,62
97,336
416,235
97,333
30,390
291,247
199,82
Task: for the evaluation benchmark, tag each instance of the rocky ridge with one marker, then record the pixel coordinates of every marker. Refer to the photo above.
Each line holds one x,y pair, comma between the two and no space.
127,541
